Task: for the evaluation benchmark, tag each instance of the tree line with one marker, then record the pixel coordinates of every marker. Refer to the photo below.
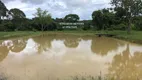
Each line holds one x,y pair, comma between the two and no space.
124,15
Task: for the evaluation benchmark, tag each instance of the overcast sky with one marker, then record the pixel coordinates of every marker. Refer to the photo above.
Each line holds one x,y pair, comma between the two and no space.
59,8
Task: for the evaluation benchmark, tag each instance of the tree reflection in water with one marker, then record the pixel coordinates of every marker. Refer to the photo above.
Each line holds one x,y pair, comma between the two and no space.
3,52
43,42
78,51
72,41
18,45
15,46
126,67
103,45
99,45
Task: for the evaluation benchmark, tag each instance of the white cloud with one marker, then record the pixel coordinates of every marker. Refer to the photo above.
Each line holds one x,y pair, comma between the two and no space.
59,8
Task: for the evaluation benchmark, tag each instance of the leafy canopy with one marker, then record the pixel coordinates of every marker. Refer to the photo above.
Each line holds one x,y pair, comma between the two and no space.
42,18
71,18
17,13
129,9
3,9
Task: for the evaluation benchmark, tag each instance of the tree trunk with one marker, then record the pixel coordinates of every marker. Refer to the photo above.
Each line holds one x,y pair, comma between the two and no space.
129,26
42,28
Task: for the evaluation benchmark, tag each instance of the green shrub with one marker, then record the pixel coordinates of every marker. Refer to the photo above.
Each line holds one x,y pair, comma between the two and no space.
2,28
138,25
9,26
86,28
121,26
133,27
110,29
34,30
6,26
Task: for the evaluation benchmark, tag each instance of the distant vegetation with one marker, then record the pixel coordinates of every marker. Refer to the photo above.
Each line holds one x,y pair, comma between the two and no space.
126,15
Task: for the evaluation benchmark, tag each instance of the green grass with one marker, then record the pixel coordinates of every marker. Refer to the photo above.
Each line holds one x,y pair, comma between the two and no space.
7,35
135,36
72,32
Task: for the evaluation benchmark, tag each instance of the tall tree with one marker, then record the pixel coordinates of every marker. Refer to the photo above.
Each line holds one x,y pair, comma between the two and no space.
108,18
3,10
42,18
131,8
102,19
71,18
97,19
17,13
18,18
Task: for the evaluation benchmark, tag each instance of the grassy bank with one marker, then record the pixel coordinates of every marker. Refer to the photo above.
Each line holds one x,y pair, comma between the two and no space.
135,36
7,35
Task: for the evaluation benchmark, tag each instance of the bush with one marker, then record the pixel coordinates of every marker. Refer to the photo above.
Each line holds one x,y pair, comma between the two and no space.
86,28
9,26
110,29
2,28
34,30
121,26
6,26
138,25
133,27
52,26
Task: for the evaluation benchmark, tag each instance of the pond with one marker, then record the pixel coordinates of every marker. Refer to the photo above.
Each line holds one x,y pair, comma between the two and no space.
62,56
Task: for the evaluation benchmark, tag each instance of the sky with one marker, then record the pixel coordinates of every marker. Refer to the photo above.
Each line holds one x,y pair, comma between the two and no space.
59,8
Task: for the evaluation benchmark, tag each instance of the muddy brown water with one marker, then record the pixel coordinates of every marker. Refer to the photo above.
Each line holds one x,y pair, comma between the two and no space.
54,57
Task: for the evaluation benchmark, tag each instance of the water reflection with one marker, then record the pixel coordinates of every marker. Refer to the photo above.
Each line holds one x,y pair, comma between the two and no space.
59,56
11,45
126,66
72,41
103,45
43,42
3,52
18,45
